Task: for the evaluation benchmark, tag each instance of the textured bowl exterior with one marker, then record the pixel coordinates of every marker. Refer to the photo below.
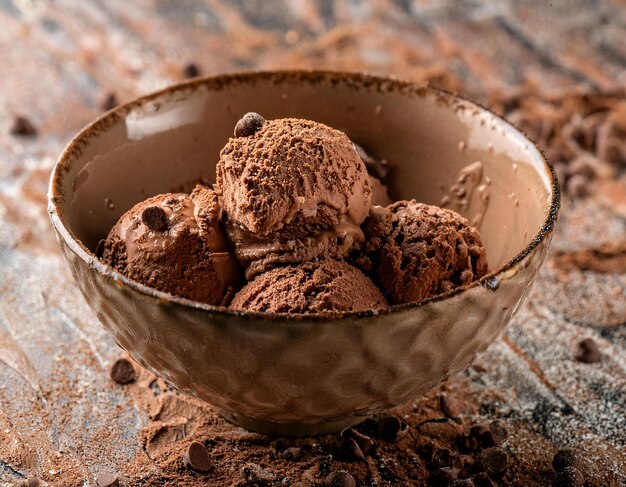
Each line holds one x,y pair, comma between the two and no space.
302,375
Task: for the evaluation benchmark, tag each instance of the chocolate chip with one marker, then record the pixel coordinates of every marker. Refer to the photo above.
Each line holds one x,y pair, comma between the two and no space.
123,372
483,480
191,70
443,457
588,351
197,457
109,102
107,480
566,458
449,406
392,429
292,453
249,124
352,437
340,478
23,126
480,436
494,461
569,477
498,431
463,483
444,476
253,473
155,218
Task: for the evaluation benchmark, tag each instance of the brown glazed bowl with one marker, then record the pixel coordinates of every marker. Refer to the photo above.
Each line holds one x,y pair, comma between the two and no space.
306,375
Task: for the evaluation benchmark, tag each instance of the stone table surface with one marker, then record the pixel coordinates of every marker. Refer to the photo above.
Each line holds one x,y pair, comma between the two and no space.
60,59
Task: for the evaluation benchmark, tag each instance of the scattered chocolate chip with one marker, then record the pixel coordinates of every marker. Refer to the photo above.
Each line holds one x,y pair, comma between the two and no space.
483,480
566,458
588,351
249,124
480,436
463,483
444,476
498,431
449,406
340,478
292,453
23,126
569,477
109,102
155,218
392,429
107,480
123,372
256,474
443,457
494,461
197,457
191,70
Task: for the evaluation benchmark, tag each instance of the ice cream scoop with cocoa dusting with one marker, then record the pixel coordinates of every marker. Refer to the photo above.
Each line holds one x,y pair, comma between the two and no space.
327,286
416,251
175,243
292,190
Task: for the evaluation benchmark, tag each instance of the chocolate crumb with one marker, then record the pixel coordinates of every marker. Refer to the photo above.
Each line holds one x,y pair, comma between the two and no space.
22,126
483,480
109,102
449,406
498,431
566,458
292,453
249,124
197,457
392,429
32,482
569,477
107,480
123,372
494,461
340,478
588,351
255,474
191,70
443,457
355,444
155,218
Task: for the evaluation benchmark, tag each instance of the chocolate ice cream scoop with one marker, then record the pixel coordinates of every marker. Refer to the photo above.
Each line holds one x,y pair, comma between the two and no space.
327,286
176,244
292,184
416,251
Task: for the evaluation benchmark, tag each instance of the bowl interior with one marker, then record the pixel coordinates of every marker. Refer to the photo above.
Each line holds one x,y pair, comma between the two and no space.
432,141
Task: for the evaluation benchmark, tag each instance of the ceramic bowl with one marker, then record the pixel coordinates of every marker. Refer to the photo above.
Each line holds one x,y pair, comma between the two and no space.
305,375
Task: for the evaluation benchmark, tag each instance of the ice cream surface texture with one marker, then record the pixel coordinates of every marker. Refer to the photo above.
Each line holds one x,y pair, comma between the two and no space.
175,243
292,190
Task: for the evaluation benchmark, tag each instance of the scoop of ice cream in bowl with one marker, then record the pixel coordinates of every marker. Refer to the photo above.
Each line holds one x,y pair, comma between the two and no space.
303,249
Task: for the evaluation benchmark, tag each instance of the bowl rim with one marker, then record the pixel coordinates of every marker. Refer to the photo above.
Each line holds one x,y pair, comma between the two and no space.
359,79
